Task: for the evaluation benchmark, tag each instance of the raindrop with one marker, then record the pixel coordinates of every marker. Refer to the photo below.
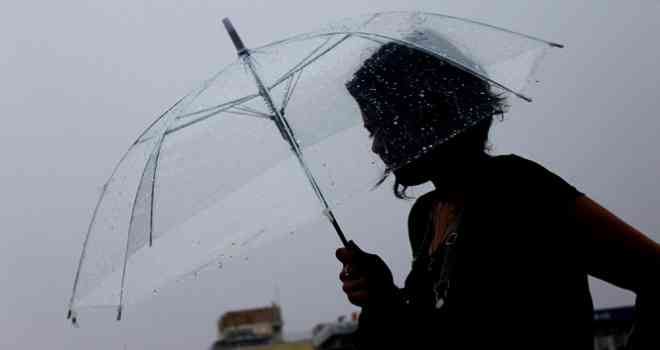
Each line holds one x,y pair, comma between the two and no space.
154,292
220,265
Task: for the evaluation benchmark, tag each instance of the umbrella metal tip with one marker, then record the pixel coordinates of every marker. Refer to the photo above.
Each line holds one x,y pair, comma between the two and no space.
233,35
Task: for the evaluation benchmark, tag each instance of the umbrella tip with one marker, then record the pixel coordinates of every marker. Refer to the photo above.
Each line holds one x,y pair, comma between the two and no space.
119,313
73,317
238,43
560,46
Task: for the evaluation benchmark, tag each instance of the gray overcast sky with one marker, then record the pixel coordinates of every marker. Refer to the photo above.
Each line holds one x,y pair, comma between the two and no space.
80,79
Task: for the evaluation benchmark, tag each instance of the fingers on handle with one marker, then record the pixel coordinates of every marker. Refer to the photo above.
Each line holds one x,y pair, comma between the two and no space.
353,286
345,255
353,246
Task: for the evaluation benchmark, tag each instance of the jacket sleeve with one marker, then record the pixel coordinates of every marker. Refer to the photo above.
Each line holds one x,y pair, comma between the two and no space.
643,334
396,322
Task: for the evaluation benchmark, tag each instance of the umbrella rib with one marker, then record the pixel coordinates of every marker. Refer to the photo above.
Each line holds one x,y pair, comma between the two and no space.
252,112
293,83
155,153
139,139
287,93
448,60
209,115
367,35
248,114
130,227
304,64
195,92
153,195
83,253
324,32
306,60
98,204
216,107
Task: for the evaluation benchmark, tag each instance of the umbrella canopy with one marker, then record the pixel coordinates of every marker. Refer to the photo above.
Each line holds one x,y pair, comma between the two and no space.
270,143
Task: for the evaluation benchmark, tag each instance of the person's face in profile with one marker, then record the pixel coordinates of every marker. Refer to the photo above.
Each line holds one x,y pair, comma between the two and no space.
395,141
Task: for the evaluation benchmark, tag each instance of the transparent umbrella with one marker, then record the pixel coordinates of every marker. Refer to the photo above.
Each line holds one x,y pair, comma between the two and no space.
266,145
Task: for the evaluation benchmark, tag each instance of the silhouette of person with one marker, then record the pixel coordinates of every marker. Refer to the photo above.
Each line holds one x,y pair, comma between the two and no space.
502,247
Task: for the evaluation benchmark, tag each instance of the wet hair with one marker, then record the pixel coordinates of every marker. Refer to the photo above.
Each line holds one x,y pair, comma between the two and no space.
429,100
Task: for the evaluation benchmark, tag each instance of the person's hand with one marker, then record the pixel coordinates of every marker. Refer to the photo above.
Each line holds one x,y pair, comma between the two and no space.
365,277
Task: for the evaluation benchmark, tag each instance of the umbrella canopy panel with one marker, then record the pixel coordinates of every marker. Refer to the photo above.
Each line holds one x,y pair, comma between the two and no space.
214,175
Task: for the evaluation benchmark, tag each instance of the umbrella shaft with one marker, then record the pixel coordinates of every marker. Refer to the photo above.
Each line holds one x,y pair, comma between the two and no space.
283,126
287,134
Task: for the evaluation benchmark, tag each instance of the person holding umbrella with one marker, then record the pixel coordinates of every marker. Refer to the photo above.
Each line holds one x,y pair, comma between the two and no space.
502,247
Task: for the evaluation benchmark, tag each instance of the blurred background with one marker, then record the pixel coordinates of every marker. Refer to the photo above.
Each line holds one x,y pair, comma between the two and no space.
80,79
